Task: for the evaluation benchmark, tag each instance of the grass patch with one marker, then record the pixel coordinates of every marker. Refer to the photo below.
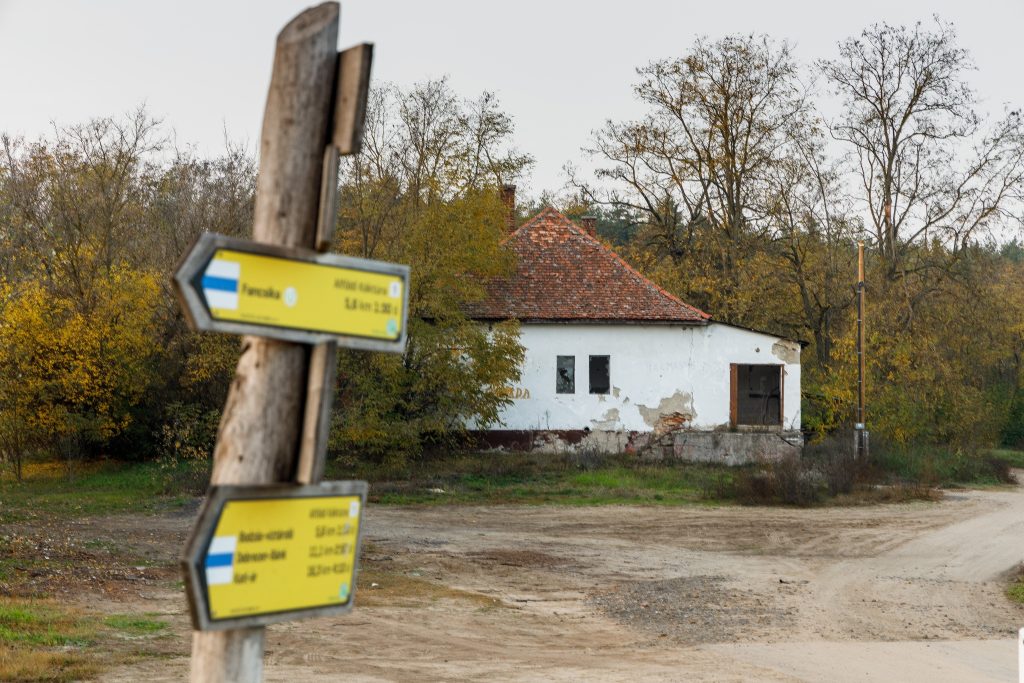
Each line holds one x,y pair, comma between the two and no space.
536,479
1015,591
135,625
826,474
42,624
98,489
29,666
41,640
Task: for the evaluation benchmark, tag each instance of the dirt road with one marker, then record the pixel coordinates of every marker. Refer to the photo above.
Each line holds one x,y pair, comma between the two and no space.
884,593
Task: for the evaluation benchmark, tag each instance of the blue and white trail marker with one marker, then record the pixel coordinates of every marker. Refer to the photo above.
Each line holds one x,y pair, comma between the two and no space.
220,283
220,560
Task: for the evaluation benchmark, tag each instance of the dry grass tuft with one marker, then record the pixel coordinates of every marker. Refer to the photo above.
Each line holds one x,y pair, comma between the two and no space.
27,666
394,589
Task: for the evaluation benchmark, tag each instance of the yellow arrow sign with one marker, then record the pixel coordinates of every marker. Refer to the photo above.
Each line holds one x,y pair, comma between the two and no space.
264,556
249,288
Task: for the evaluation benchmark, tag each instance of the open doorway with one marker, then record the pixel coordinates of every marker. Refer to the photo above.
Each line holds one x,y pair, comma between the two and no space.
756,395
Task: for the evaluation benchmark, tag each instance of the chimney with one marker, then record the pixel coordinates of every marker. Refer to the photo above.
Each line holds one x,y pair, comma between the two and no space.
508,198
589,223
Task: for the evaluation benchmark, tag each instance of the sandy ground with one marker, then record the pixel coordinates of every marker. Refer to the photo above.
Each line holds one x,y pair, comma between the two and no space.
884,593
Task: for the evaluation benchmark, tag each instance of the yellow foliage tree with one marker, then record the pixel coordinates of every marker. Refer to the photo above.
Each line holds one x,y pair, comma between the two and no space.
71,374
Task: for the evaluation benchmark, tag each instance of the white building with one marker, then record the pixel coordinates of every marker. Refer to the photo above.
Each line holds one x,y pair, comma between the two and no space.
615,363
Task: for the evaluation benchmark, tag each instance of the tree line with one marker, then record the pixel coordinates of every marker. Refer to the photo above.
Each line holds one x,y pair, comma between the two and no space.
734,191
738,193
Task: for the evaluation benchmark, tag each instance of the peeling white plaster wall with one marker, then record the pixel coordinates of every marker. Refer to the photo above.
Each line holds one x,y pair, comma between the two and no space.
656,370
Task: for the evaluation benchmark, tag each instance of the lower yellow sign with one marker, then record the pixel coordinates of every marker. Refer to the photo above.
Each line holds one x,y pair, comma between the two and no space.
279,555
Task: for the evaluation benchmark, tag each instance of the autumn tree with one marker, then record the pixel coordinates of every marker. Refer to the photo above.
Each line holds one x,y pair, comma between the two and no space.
95,353
698,165
935,181
424,192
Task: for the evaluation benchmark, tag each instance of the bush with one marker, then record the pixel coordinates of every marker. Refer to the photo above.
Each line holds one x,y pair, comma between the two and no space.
791,480
834,458
938,465
186,447
1013,431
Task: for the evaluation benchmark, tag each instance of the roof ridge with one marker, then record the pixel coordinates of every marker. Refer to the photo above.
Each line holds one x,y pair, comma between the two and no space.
536,218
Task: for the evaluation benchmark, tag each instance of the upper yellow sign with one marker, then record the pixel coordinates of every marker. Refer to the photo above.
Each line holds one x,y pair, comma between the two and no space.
226,284
281,555
270,290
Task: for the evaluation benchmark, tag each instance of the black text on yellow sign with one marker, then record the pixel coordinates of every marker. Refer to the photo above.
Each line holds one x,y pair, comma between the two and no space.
232,285
279,555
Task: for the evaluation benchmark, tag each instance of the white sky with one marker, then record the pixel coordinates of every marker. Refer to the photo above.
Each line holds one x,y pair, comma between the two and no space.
559,68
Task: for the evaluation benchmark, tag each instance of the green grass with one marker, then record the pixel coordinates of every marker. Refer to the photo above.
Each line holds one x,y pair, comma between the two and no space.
45,641
1015,591
535,479
467,478
135,625
1013,457
39,624
101,489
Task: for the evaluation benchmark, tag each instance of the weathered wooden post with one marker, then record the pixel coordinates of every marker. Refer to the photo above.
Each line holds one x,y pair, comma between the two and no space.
272,542
260,430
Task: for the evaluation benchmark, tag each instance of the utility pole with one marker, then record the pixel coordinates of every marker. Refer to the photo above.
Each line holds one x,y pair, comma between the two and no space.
860,438
258,439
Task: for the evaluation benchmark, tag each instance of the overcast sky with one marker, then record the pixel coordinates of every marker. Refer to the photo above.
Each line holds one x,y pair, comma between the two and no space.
559,68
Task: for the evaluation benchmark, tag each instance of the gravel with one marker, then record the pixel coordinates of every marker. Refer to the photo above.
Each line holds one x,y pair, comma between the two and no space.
689,609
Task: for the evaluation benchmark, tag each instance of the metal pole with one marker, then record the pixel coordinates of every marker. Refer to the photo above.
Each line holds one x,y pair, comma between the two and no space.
859,427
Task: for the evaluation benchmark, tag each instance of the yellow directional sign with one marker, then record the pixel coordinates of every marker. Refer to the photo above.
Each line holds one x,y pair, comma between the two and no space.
245,287
262,555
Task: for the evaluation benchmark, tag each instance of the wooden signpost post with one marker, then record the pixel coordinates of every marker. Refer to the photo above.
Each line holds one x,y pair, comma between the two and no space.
266,506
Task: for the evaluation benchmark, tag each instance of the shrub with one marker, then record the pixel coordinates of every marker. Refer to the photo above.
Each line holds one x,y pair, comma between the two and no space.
834,458
186,447
790,480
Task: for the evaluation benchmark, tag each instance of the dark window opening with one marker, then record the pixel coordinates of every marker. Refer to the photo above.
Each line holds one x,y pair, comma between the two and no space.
565,377
600,380
757,395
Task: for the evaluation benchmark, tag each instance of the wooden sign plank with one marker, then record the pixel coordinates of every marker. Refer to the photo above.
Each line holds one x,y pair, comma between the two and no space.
350,98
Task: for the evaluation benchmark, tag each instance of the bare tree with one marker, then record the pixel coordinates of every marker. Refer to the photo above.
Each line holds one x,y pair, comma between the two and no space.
928,170
815,237
423,145
698,165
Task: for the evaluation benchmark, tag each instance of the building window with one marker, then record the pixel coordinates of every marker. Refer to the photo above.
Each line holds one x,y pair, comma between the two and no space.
756,395
565,377
600,380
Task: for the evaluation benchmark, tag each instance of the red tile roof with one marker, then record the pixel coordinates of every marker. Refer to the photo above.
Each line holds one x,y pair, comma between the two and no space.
562,273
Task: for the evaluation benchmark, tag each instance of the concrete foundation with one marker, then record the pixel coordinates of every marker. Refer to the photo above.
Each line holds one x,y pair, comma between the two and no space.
732,448
717,447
